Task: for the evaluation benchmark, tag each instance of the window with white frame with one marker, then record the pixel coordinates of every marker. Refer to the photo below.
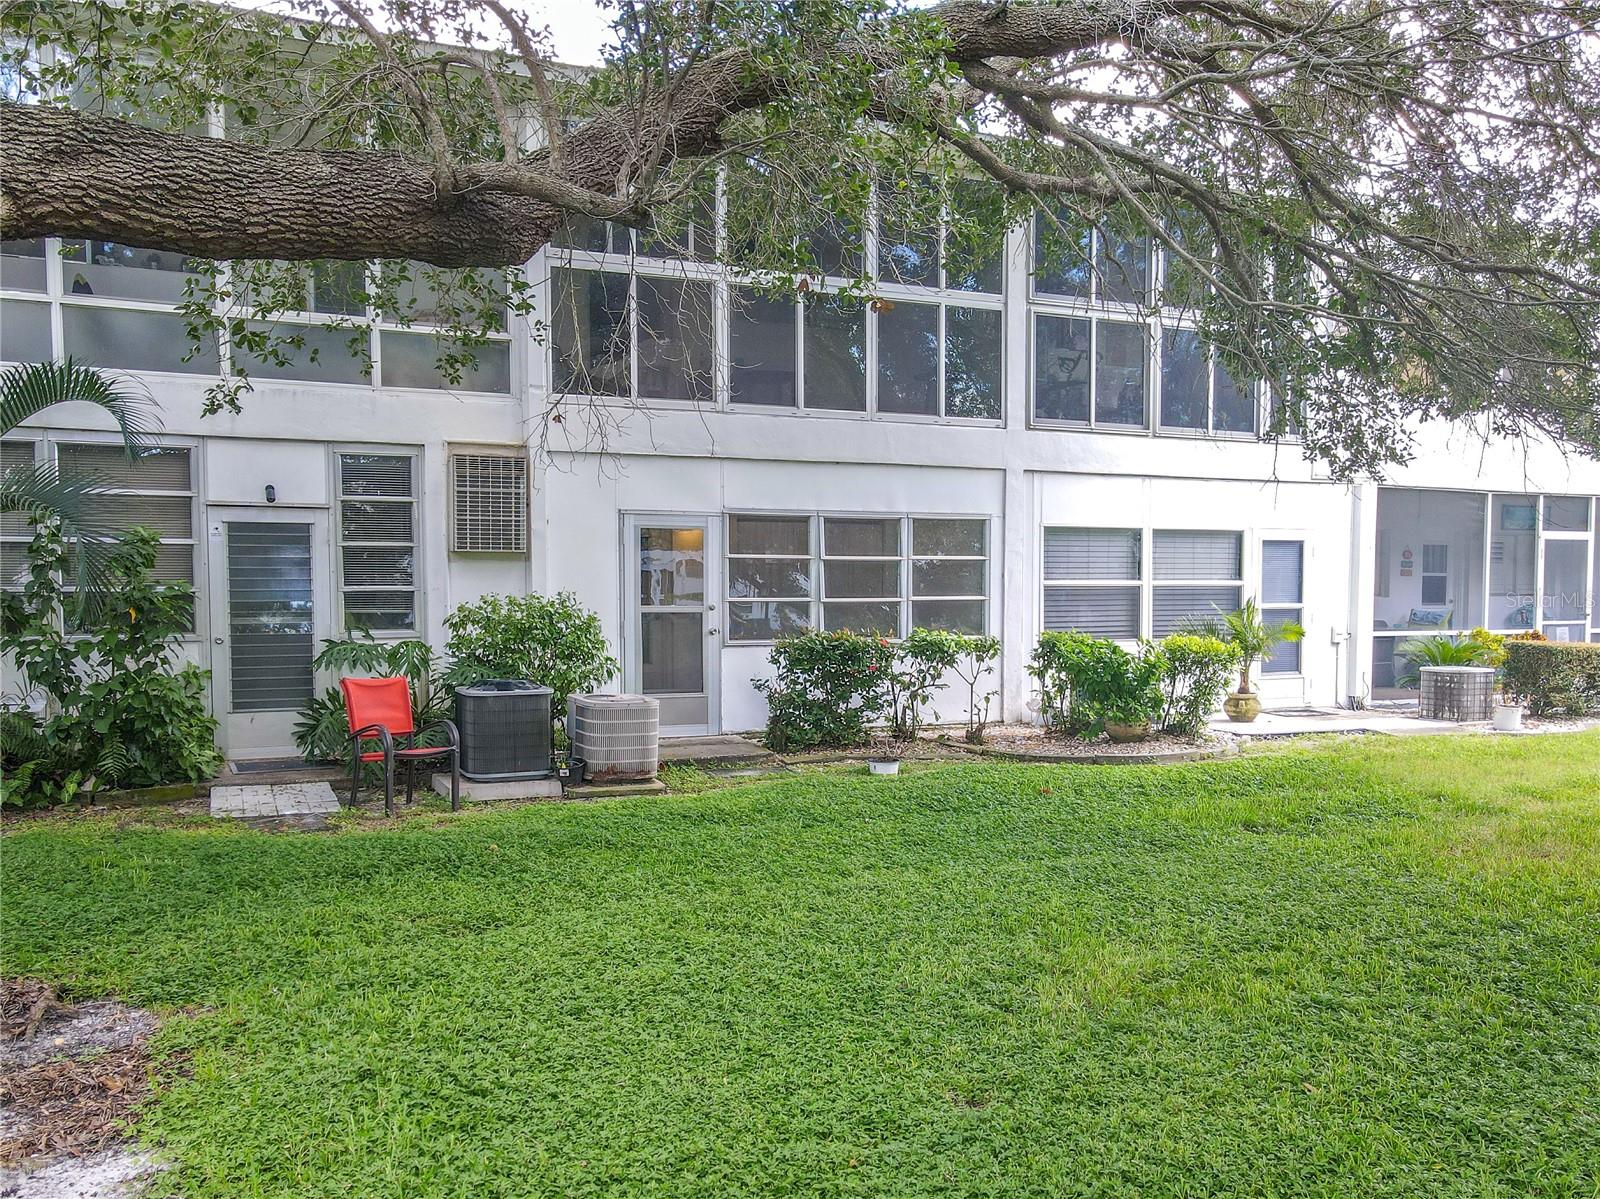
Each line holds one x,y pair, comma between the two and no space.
1196,575
1197,393
869,574
378,541
1092,581
1090,371
489,503
623,334
1075,260
1282,594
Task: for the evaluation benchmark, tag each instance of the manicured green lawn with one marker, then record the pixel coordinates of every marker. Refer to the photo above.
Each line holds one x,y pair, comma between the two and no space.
1363,969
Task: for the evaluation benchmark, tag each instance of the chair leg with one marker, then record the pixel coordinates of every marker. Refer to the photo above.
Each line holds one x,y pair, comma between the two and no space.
388,787
411,780
355,775
455,781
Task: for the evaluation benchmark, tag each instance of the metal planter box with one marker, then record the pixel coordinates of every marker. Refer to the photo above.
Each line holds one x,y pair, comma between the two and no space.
505,729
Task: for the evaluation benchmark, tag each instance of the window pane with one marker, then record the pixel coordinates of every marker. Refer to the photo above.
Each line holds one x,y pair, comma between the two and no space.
860,580
22,264
1172,607
691,232
1566,570
1091,554
672,567
324,355
599,237
674,339
589,328
106,268
953,616
1119,374
908,358
141,341
169,515
1285,658
949,538
973,259
671,653
1282,571
836,353
1187,554
1101,611
375,521
972,363
767,622
1183,380
909,255
1123,267
882,619
762,344
1233,407
769,578
769,535
948,576
380,610
392,566
1566,514
412,360
24,331
375,474
1060,368
1061,255
339,287
432,295
853,537
835,248
150,469
1513,552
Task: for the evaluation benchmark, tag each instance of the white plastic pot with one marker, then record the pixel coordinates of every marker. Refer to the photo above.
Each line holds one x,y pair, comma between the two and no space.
879,766
1507,717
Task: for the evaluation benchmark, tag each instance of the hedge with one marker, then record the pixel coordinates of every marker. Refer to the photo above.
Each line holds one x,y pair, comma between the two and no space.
1553,678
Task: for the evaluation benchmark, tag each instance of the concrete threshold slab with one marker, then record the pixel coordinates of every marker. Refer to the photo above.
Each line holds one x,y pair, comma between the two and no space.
726,750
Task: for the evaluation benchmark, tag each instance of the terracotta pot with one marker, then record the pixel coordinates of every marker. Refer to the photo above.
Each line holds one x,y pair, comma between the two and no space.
1123,733
1242,706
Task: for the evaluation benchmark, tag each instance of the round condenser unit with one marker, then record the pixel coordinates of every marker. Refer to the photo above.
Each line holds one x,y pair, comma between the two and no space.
618,736
1459,693
505,729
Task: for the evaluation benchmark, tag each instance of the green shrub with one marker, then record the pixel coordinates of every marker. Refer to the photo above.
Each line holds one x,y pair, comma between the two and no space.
1196,671
550,640
828,689
1088,682
116,712
1553,678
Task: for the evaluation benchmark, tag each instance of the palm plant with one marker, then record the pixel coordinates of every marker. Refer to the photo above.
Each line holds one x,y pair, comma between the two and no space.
37,490
1250,635
1439,651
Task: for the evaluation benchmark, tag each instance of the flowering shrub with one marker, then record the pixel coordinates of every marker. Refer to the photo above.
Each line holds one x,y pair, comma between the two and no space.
828,689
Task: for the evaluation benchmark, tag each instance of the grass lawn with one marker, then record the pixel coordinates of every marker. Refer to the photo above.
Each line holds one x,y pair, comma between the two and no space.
1367,968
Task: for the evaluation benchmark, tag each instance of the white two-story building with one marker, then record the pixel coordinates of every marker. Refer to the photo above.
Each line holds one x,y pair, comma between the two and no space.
1011,448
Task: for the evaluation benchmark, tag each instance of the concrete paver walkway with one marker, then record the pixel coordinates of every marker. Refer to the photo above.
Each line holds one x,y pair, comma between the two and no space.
253,801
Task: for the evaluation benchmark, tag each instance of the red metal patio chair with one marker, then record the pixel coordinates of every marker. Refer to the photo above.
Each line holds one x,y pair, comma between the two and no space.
380,710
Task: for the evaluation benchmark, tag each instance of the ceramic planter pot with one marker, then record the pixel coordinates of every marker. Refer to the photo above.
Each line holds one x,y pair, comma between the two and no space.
1507,717
1124,733
1242,706
883,766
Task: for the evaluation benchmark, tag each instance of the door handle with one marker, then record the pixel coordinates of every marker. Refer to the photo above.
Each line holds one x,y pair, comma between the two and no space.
711,632
218,640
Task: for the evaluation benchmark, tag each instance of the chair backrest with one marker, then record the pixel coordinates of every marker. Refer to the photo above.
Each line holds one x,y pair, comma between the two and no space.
378,701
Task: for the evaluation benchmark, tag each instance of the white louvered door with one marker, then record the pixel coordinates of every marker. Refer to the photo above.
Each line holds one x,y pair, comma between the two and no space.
271,608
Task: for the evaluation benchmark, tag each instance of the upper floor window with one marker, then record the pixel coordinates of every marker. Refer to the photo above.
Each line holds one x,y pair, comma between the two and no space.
1090,371
631,335
1095,263
955,249
1198,393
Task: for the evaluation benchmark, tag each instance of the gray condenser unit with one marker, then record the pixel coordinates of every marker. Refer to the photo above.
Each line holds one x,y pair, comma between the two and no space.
505,729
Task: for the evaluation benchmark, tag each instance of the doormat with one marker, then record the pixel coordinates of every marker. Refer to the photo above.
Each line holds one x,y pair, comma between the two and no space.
262,765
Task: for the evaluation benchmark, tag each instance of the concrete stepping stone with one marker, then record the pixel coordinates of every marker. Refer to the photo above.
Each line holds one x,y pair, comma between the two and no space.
254,801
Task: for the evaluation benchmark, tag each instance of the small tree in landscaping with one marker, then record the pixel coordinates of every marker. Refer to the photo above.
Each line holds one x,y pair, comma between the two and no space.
971,659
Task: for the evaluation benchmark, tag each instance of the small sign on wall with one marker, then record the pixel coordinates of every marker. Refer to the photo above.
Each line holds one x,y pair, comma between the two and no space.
1406,563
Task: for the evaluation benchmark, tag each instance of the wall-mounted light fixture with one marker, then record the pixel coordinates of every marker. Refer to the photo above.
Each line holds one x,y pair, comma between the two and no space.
272,494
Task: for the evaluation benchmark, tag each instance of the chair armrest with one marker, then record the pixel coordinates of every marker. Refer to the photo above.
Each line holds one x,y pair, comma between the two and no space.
449,726
372,731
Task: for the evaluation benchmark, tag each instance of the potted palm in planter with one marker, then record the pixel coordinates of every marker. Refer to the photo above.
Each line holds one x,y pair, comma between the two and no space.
1253,638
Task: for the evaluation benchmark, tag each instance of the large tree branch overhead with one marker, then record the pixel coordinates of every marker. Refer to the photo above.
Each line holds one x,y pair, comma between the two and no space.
1388,209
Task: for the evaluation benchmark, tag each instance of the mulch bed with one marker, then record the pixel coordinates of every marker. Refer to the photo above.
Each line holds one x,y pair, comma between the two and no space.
1031,740
71,1075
